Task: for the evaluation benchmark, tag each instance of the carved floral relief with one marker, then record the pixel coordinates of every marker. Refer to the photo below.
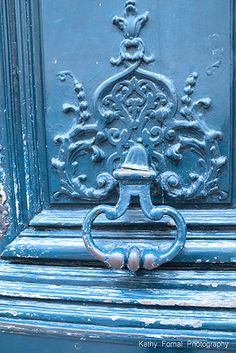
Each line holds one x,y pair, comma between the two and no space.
139,106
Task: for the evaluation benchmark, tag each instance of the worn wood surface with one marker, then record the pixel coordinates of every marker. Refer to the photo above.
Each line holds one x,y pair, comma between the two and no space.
92,303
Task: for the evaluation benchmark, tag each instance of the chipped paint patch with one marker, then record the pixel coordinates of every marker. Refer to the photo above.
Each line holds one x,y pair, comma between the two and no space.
148,320
148,302
232,284
114,317
181,322
10,312
3,199
214,284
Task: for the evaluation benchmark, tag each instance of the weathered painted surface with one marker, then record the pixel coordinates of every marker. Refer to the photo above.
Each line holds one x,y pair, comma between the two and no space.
29,192
54,295
91,306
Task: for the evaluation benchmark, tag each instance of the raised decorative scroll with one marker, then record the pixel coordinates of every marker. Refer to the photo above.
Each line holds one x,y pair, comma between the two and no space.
139,106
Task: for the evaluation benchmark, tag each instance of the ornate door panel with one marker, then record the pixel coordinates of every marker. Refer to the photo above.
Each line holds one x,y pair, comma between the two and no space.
117,156
101,80
170,101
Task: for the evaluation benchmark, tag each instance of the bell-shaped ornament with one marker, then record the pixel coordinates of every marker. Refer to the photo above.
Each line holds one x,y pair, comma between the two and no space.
136,159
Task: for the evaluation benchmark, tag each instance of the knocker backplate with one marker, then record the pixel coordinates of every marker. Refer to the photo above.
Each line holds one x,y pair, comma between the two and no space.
136,101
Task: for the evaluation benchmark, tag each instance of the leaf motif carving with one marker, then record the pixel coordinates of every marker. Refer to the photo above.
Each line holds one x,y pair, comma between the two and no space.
137,106
192,134
76,143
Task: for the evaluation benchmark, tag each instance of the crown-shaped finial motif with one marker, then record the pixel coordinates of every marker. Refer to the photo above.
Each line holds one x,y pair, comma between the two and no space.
132,48
131,3
131,24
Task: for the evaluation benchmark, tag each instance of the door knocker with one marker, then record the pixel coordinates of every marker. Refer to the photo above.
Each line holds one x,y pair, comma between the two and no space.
135,177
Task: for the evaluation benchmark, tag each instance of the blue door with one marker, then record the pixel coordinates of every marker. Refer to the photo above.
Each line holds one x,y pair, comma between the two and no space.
117,187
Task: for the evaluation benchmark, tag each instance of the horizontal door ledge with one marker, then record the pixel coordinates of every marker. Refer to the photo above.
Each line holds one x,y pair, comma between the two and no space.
133,337
115,295
108,316
195,252
59,217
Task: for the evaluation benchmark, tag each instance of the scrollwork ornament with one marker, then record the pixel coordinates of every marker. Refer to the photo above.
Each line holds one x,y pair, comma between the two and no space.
75,143
139,106
191,133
